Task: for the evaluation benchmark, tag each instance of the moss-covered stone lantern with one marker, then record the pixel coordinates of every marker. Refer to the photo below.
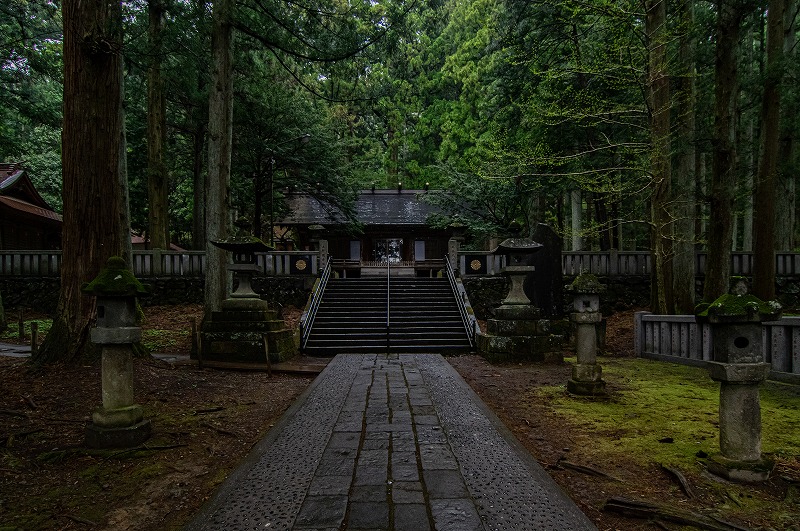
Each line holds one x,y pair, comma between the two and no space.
517,331
738,365
245,332
586,373
118,422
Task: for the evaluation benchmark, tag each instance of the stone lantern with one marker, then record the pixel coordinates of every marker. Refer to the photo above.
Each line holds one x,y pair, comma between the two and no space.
119,422
586,373
738,365
516,249
245,332
517,331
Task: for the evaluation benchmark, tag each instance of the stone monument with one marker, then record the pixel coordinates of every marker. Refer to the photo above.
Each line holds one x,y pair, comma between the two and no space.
518,332
586,373
118,422
245,331
544,285
738,365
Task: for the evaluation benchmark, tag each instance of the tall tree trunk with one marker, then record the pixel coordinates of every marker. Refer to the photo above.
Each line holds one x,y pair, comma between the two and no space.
220,131
577,220
200,128
685,181
785,217
749,186
764,234
91,156
157,182
660,204
723,172
199,188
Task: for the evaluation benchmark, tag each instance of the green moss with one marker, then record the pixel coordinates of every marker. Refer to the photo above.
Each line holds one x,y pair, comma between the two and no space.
749,306
115,279
586,283
650,401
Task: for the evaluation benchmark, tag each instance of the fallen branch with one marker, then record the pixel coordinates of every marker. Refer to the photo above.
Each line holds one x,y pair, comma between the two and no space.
14,413
80,520
8,440
220,430
145,447
591,471
209,410
652,511
687,489
28,400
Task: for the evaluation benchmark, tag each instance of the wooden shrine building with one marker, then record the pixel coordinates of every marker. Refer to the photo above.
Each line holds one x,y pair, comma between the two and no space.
394,229
26,220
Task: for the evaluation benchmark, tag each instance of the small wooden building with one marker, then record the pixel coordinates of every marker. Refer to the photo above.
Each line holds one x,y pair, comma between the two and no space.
26,220
394,229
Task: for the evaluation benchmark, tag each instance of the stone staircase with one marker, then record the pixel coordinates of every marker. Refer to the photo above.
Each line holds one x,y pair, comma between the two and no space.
352,318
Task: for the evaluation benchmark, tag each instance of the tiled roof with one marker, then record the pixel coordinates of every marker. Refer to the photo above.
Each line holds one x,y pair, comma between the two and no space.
9,173
24,206
381,207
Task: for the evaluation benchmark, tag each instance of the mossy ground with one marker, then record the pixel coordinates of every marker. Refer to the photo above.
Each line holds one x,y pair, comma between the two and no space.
652,401
655,414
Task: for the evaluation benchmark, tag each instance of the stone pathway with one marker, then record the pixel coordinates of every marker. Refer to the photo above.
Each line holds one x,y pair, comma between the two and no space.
389,442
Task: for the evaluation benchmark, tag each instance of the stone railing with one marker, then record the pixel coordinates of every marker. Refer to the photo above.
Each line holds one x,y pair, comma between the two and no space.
624,263
157,263
679,339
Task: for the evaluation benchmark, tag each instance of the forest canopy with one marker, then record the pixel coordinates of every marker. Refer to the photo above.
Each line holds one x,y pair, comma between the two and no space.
601,118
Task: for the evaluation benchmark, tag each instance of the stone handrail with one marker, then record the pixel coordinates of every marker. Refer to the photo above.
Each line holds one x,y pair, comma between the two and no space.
680,339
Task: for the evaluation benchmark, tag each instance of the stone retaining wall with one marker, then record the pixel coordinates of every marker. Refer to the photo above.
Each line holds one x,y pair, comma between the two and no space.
41,294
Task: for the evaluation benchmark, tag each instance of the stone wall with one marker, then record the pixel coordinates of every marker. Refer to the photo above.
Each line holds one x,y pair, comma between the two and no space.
41,294
622,293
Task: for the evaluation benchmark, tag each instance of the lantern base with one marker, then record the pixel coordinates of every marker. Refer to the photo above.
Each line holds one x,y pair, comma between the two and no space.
127,437
584,388
741,471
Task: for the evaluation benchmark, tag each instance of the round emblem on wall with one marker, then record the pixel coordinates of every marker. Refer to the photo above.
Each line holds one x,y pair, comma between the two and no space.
301,265
475,265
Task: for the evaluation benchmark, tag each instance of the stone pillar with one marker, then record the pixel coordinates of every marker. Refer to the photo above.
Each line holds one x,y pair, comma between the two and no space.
452,253
738,365
586,373
118,422
323,254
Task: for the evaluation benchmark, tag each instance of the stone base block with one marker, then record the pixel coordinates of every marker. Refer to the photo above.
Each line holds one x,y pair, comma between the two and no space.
118,417
586,388
741,471
517,327
245,304
247,316
583,372
126,437
262,326
523,312
519,348
247,346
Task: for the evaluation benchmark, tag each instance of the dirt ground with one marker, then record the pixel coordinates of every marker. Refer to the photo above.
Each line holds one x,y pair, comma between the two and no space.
205,421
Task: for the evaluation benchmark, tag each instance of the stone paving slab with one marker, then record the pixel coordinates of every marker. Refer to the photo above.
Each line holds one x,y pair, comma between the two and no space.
389,442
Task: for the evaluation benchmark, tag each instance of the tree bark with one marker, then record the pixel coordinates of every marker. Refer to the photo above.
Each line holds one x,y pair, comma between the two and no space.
685,179
157,181
785,217
660,202
723,172
764,233
220,131
93,165
576,219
